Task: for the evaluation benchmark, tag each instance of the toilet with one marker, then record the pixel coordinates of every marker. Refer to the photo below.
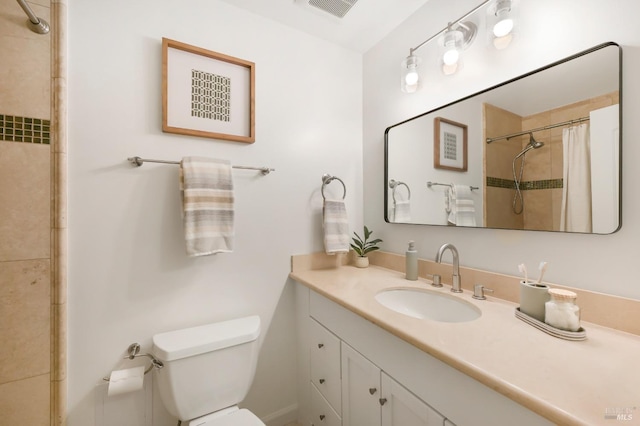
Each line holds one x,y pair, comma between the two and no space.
207,371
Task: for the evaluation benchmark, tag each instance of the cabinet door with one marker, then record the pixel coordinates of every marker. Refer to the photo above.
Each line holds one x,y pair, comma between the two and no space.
321,412
325,363
360,389
402,408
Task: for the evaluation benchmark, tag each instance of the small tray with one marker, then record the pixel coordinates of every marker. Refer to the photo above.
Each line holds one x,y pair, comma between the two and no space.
581,334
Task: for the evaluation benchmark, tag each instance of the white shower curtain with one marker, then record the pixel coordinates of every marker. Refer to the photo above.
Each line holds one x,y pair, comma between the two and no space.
576,188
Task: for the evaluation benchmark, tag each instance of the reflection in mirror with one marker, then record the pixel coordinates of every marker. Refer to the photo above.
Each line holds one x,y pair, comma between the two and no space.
542,153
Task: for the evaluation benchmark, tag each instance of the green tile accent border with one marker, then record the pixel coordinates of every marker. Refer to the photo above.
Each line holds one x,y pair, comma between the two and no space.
25,129
524,186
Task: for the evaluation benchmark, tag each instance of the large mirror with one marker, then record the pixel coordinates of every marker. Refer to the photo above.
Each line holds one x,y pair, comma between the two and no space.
539,152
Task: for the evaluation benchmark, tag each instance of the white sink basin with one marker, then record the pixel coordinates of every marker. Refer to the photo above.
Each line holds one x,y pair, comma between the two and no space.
424,304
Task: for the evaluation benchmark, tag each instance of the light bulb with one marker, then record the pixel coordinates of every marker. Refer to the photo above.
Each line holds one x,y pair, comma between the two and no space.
451,56
412,77
503,27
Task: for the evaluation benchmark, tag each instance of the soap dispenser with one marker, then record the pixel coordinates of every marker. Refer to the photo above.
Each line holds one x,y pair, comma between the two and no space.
412,262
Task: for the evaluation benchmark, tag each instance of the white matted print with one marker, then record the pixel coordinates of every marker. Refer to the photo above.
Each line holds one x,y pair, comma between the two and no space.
207,94
449,145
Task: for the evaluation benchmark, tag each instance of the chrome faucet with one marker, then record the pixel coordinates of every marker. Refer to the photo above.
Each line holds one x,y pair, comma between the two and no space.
455,279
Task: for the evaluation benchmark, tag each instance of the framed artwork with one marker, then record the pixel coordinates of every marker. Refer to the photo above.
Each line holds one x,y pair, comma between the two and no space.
208,94
449,145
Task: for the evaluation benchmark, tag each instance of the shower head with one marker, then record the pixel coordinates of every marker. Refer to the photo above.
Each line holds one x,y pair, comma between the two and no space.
534,143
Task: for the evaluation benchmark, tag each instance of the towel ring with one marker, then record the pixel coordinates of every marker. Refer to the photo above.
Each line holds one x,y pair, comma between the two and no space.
393,184
326,180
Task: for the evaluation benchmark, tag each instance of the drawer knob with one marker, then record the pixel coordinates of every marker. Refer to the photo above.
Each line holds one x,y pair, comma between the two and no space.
321,381
373,390
321,416
383,401
320,345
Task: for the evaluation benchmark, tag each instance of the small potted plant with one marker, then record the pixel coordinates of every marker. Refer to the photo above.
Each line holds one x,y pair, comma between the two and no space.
362,247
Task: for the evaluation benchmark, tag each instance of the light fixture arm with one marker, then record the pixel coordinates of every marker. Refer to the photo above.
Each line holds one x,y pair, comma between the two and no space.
456,22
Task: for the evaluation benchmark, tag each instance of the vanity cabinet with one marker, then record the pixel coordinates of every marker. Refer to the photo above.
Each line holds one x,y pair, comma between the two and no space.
348,366
372,397
347,389
324,372
322,414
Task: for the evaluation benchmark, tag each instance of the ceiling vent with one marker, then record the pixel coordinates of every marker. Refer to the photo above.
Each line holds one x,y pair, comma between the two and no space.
337,8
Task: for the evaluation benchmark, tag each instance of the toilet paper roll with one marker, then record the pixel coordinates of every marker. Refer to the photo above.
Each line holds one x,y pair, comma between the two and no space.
127,380
533,296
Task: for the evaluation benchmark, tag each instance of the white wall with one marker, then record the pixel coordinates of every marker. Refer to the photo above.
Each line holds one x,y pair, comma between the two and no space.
549,30
129,277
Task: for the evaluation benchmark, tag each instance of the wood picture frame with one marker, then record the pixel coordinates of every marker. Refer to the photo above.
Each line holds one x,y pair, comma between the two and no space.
449,145
206,93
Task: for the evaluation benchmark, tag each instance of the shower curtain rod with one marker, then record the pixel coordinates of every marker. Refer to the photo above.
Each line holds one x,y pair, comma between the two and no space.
550,126
37,25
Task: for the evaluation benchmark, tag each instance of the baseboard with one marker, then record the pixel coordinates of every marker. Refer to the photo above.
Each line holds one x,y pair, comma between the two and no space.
282,417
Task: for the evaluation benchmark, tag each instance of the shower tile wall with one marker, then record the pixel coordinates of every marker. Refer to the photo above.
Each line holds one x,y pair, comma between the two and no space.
24,220
542,178
498,156
543,206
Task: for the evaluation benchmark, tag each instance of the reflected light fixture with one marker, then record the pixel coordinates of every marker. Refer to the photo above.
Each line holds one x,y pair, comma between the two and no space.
457,36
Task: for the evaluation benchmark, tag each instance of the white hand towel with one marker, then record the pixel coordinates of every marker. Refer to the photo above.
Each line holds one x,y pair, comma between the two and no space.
336,227
402,211
206,186
461,204
401,207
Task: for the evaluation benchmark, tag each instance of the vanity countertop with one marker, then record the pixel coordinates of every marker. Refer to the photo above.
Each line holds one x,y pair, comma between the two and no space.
568,382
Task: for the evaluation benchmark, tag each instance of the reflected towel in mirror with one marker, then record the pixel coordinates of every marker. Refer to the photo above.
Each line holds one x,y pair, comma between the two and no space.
460,206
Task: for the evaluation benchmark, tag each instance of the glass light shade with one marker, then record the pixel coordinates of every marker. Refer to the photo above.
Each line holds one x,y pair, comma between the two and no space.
410,81
501,23
504,26
451,53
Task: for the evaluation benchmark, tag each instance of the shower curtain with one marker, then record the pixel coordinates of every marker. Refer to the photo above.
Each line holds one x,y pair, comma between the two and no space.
576,188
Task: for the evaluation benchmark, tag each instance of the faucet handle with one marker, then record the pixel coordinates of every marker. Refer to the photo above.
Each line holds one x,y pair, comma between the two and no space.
478,291
437,280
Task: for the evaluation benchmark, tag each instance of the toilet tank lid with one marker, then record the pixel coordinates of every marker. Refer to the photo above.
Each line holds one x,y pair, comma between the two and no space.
192,341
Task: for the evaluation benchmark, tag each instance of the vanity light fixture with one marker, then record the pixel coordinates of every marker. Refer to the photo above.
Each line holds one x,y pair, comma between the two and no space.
455,40
457,36
410,78
501,23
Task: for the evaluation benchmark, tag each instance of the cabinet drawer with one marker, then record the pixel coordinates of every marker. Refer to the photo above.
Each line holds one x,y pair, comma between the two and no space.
321,412
325,363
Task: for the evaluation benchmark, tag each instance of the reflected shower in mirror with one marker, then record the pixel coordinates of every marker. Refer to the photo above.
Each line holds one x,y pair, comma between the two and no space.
543,151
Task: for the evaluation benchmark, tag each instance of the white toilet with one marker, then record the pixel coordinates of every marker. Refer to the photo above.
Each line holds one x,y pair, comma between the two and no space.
207,371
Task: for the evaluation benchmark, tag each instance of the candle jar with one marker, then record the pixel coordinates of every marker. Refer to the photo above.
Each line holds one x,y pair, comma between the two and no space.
561,310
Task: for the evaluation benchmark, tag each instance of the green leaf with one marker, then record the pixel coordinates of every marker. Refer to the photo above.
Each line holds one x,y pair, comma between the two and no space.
367,233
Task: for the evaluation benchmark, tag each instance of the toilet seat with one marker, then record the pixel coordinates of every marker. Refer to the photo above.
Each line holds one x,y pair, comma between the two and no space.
242,417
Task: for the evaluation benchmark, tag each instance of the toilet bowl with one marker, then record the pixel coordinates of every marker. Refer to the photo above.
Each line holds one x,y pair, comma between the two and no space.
207,371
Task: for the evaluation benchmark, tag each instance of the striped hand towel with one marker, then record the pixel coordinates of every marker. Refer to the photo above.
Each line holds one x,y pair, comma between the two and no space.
336,227
206,186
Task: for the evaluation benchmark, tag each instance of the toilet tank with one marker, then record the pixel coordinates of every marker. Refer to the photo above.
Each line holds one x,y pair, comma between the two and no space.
206,368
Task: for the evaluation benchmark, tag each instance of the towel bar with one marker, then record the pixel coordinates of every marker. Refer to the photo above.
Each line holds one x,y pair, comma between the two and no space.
430,184
137,161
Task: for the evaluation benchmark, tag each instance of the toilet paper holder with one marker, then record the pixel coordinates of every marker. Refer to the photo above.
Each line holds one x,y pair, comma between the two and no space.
134,351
